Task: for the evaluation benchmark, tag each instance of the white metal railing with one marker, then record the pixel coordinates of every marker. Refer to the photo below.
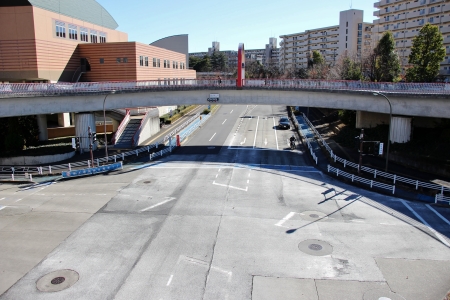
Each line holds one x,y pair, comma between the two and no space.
442,198
11,90
308,143
122,127
355,178
27,172
393,177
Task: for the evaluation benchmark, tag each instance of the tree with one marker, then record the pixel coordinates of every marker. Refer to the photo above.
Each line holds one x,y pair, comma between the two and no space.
317,58
218,61
346,68
387,64
254,69
200,64
427,52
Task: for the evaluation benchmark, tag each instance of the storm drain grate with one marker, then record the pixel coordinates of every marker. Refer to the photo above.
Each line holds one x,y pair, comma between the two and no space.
316,216
315,247
58,280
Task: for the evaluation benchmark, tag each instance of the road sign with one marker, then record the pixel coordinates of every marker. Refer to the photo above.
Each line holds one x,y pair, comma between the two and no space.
213,97
380,151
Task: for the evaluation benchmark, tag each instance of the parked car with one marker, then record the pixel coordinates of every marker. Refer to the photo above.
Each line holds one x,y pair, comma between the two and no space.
284,123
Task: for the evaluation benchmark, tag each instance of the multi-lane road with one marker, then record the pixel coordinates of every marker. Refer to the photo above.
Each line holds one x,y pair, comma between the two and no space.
232,214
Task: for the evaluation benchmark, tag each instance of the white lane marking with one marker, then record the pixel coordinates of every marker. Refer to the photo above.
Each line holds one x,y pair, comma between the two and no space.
2,198
2,207
275,129
438,214
212,136
19,200
231,187
248,181
425,223
217,175
243,141
289,215
256,132
265,142
224,121
229,273
158,204
170,280
231,111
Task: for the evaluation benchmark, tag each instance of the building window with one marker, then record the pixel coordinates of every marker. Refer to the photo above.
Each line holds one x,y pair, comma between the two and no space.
346,24
346,31
345,45
141,61
125,59
73,34
102,37
60,29
146,61
102,60
154,62
94,36
176,65
83,34
159,63
118,60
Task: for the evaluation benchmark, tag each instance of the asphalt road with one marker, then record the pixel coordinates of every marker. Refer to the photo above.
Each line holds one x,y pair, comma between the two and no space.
232,214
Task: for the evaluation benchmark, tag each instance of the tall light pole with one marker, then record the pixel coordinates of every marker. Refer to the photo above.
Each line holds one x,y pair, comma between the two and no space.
104,123
389,132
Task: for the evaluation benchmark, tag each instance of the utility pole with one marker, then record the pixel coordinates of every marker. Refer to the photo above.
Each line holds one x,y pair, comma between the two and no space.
361,139
90,145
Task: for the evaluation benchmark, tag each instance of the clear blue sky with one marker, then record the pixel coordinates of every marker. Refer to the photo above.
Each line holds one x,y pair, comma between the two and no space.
229,22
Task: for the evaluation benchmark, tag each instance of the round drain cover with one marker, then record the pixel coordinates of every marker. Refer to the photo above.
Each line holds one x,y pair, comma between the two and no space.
380,294
14,210
313,216
147,182
57,281
315,247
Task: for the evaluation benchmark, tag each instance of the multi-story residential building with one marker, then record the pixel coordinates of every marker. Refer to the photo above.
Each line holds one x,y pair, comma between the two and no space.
272,53
352,36
405,18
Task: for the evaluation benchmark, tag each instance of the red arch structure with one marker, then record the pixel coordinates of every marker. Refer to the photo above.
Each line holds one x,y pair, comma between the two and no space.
240,81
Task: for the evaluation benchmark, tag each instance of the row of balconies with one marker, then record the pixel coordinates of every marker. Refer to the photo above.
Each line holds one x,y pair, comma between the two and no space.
412,5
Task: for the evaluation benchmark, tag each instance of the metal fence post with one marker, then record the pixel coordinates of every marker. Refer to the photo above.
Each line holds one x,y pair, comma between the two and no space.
50,169
353,177
70,168
89,163
115,158
98,165
371,183
395,178
12,175
417,184
123,156
375,174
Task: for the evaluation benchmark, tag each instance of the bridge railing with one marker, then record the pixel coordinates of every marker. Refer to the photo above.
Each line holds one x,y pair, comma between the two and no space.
8,90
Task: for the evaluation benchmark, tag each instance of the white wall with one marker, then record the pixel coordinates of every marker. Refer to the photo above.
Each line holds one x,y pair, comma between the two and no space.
35,160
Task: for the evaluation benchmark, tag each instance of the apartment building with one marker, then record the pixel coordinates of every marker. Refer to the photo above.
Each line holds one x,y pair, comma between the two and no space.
405,18
351,36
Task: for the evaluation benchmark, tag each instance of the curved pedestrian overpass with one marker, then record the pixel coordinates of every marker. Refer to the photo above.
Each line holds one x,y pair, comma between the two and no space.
408,99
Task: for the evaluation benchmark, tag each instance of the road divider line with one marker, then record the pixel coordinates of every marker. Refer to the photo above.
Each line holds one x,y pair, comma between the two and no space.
2,198
224,121
2,207
170,280
231,187
275,129
441,238
256,132
231,111
212,136
289,215
158,204
438,214
243,141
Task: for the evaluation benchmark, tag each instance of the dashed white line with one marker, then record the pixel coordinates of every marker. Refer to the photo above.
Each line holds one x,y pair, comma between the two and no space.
289,215
224,121
248,181
212,136
256,132
158,204
442,239
231,187
438,214
276,137
231,111
217,175
243,141
170,280
2,198
2,207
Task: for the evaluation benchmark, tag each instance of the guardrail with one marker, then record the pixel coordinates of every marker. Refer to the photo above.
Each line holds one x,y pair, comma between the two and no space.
11,90
442,198
304,133
395,178
27,172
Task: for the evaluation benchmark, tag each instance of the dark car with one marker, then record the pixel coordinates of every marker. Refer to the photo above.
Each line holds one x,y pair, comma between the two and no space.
284,123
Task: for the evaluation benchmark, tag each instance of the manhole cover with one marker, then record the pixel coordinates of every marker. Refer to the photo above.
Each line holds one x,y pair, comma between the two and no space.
313,216
147,182
381,294
315,247
57,281
14,210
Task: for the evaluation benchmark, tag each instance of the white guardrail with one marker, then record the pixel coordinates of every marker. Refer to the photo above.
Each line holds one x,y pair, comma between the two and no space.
395,178
27,172
11,90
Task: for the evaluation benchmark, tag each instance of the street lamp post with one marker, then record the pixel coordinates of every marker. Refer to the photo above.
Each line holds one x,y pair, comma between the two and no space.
390,121
104,123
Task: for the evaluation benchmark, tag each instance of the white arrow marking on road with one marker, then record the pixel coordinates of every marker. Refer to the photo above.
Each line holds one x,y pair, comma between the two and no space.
224,121
158,204
244,141
438,214
212,137
231,187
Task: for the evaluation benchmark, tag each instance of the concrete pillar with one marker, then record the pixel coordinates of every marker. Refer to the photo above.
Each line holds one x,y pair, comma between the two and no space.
64,120
82,122
400,129
42,124
115,125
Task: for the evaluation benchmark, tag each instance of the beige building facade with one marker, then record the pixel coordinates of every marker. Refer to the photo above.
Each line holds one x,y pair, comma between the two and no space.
405,18
351,36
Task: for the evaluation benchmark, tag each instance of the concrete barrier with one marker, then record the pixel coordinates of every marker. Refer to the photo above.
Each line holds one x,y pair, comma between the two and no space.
35,160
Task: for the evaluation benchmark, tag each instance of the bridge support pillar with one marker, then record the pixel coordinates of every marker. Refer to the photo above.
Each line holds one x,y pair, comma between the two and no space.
400,126
82,122
42,124
64,120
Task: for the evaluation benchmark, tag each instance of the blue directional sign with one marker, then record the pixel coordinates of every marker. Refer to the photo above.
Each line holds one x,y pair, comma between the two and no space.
91,171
